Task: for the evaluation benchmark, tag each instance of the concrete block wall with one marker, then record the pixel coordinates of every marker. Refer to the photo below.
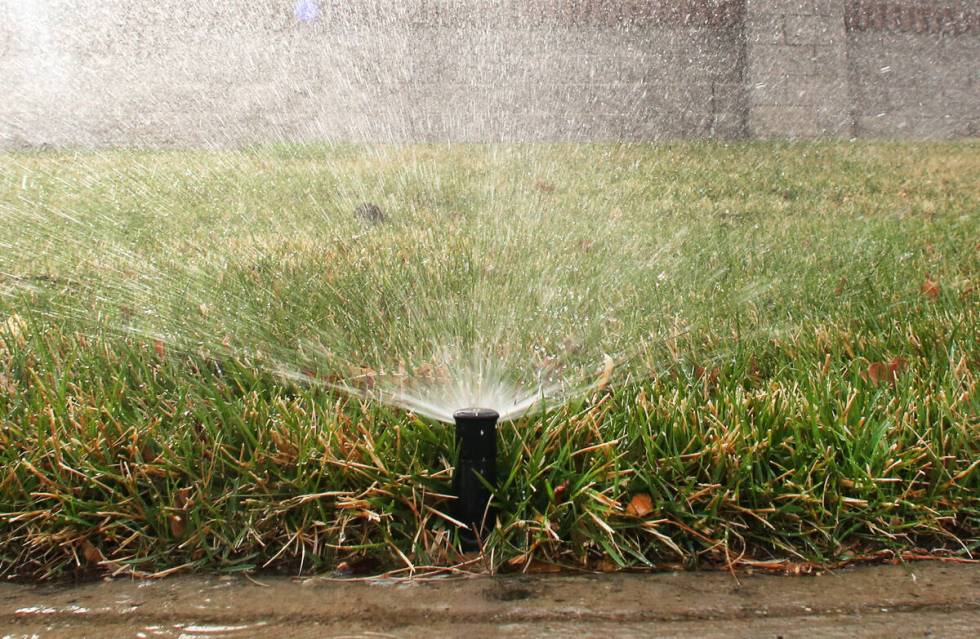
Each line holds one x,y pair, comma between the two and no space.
796,54
198,72
187,72
914,68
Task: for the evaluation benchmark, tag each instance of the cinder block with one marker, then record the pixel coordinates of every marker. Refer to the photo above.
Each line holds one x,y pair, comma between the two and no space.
728,97
782,121
903,125
765,28
728,125
882,125
766,63
964,96
795,7
869,98
800,91
813,29
830,59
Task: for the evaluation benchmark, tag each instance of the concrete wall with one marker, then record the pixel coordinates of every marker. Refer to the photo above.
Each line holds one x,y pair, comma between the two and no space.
796,54
190,72
914,68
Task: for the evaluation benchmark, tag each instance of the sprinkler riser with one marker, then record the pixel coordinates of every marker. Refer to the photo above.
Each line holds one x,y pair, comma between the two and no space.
476,443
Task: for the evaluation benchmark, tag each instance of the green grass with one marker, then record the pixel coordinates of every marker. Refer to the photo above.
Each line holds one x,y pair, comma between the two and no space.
830,417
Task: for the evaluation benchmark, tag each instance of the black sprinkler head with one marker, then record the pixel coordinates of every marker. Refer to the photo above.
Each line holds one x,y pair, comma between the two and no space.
476,442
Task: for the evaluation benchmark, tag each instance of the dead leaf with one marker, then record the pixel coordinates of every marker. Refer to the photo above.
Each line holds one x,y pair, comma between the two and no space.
355,566
177,525
92,554
607,565
931,288
879,372
897,366
560,490
544,187
183,498
517,560
160,348
876,372
640,505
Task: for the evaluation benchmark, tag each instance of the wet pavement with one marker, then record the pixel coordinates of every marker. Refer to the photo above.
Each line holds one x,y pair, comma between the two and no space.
926,599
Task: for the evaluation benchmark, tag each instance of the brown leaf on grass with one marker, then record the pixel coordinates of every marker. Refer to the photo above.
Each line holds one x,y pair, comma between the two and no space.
356,566
92,554
177,525
931,288
518,560
183,498
560,490
875,372
640,505
544,187
897,366
879,372
159,348
607,565
147,454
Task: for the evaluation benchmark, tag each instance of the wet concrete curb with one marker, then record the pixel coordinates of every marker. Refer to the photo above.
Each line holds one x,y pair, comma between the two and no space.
922,599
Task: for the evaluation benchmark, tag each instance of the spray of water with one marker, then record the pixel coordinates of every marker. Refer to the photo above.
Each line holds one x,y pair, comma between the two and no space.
413,248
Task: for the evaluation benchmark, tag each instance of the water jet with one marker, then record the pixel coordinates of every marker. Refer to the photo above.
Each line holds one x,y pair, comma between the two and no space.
476,472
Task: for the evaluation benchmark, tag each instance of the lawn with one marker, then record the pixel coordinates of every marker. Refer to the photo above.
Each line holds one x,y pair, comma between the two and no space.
763,354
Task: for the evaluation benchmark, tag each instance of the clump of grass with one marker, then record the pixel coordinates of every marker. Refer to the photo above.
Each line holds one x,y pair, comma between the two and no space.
849,428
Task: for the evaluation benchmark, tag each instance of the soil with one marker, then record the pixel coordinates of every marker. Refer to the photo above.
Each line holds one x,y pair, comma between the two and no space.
927,599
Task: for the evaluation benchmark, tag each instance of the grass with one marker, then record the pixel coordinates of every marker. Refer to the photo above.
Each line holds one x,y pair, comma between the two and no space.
829,416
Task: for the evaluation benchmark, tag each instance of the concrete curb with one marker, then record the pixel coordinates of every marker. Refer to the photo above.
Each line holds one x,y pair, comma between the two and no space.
924,599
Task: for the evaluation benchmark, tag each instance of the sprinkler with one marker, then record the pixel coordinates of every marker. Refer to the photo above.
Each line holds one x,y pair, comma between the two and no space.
476,441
